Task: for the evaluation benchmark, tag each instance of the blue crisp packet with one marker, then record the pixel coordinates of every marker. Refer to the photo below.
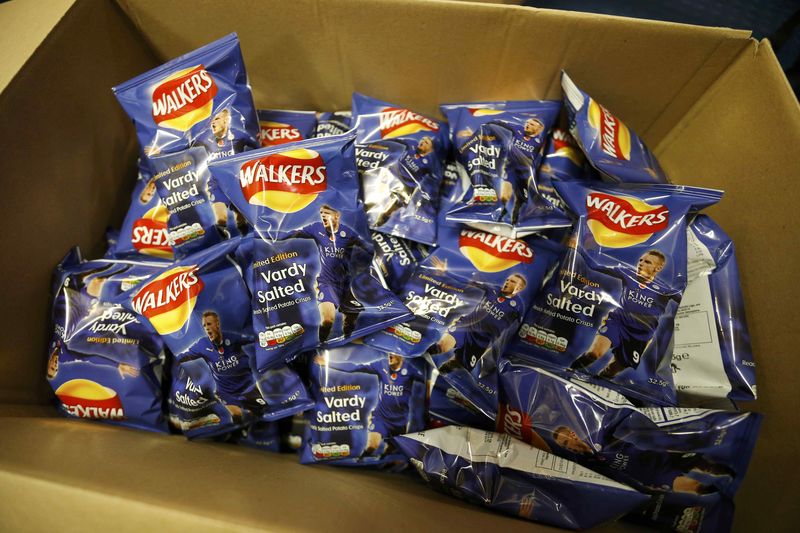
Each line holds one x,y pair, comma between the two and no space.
105,362
400,156
497,146
509,476
437,301
144,230
396,259
195,408
183,184
264,436
199,99
510,271
284,393
333,123
448,407
685,457
282,277
281,127
562,160
363,398
112,237
613,149
308,191
712,359
608,309
201,308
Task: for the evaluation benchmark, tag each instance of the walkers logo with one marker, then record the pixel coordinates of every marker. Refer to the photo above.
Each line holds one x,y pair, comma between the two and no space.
87,399
184,98
515,423
168,300
149,234
492,253
614,136
484,112
286,181
619,222
274,133
396,122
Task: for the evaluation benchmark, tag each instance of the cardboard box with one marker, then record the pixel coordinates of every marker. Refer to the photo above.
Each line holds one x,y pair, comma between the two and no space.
712,102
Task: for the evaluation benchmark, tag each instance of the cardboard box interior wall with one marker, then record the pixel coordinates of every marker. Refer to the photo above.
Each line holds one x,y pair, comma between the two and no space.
713,103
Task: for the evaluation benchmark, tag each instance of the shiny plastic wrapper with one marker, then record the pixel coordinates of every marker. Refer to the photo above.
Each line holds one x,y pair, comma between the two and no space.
363,398
712,358
509,476
309,261
105,362
497,147
610,146
400,156
685,457
608,309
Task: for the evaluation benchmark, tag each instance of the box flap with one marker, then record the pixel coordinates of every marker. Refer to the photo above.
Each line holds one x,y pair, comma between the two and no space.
310,54
31,25
743,135
70,174
209,486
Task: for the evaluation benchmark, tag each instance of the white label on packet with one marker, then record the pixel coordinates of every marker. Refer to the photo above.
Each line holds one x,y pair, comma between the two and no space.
496,448
699,261
665,416
697,358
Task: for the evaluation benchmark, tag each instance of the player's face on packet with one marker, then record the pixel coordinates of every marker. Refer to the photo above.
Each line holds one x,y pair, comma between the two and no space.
211,326
425,146
148,192
395,361
649,265
569,440
330,219
533,127
219,124
52,364
513,285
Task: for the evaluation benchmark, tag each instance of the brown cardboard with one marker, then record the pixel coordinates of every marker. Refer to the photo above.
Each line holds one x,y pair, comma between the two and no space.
713,102
31,26
485,52
742,136
210,486
67,168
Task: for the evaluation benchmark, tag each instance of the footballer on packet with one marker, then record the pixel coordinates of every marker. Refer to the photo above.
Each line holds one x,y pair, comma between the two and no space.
199,99
510,271
200,307
509,476
400,156
363,398
608,309
497,147
105,362
309,262
687,458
